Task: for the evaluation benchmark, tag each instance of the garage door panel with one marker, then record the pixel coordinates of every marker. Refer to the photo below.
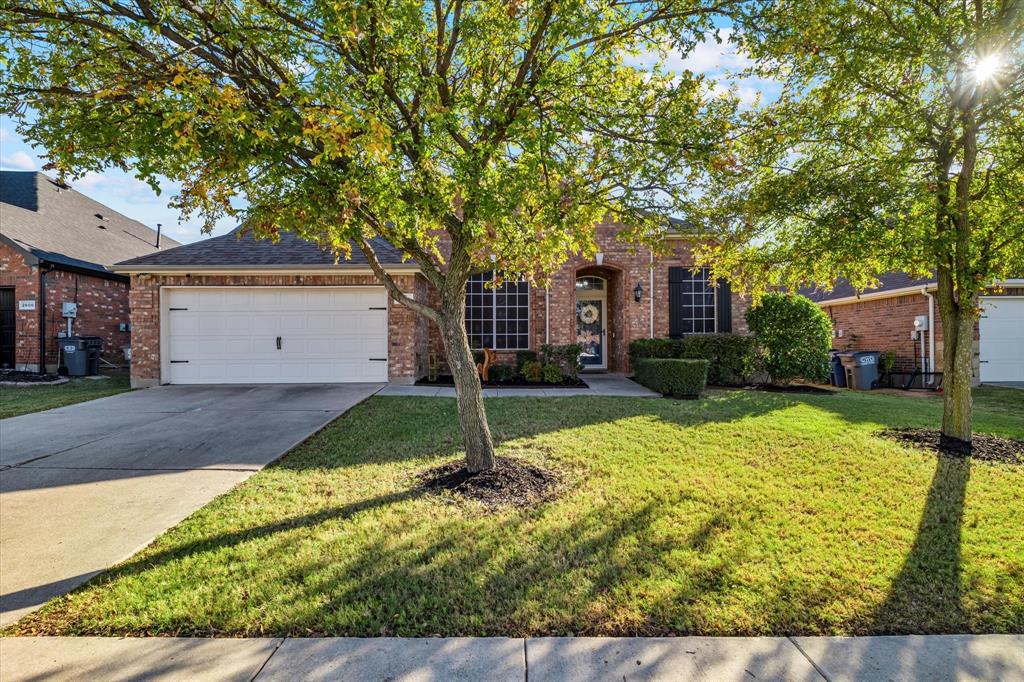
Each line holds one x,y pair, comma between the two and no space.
230,335
1001,345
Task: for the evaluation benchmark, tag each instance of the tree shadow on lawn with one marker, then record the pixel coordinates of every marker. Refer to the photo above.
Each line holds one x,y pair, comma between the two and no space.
582,578
607,571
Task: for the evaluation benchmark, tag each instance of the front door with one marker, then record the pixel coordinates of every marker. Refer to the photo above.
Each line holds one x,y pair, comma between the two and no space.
590,322
7,323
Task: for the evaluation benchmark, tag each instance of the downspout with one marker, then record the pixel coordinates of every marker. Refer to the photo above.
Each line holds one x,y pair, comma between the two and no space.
931,334
42,318
650,287
547,315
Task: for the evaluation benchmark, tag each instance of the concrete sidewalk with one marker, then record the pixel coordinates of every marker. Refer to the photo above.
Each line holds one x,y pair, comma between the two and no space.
934,657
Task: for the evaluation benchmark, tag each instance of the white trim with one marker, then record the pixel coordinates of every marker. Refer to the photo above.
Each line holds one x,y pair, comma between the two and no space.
906,291
547,316
931,333
650,286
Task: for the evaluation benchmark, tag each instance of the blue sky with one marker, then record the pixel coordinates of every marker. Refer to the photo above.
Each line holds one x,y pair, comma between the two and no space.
126,194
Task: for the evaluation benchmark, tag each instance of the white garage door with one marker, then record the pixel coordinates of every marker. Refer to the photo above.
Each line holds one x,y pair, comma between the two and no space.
242,335
1002,339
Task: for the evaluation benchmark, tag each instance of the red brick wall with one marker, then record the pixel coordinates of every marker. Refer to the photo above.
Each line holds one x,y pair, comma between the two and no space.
25,280
404,327
102,306
884,325
623,266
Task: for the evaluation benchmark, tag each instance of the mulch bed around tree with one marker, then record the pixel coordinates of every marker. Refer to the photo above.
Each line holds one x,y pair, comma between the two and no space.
512,483
982,446
12,377
566,382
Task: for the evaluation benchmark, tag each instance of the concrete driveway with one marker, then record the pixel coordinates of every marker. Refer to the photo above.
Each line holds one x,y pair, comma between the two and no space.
86,486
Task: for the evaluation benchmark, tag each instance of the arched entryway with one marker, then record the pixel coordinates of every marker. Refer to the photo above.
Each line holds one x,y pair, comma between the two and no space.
599,313
592,321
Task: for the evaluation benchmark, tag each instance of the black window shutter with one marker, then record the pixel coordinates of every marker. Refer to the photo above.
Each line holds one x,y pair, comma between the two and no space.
724,294
675,304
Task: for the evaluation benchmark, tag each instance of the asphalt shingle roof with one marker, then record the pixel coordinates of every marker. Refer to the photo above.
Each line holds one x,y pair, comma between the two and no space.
887,282
237,249
56,224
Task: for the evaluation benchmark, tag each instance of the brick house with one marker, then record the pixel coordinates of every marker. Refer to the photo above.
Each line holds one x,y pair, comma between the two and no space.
883,319
56,247
233,309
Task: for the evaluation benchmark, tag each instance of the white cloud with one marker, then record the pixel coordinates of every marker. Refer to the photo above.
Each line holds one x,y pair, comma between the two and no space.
19,160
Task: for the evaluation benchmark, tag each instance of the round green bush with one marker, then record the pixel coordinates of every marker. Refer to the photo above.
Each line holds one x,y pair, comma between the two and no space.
795,336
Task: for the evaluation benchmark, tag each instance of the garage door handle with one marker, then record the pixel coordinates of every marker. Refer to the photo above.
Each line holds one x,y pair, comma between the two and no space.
380,308
179,362
279,343
378,359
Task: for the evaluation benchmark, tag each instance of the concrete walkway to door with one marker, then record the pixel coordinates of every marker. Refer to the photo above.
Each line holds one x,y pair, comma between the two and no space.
85,486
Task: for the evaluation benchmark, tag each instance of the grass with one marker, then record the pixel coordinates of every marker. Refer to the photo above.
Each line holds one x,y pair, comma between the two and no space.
743,513
17,400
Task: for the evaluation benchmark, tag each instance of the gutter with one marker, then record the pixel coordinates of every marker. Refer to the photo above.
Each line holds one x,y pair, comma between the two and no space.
931,333
257,270
650,288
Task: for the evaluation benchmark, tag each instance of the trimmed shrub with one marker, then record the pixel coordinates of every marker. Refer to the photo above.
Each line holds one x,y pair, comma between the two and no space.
732,357
674,377
523,357
566,356
532,371
502,372
796,336
551,373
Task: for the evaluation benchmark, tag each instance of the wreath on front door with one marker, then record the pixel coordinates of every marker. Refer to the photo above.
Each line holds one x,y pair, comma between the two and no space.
588,314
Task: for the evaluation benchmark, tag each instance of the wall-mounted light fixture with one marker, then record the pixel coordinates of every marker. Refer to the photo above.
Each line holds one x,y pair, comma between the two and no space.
638,292
599,259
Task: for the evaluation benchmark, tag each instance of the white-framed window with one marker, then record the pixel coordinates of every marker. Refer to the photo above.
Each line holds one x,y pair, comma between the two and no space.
691,302
497,317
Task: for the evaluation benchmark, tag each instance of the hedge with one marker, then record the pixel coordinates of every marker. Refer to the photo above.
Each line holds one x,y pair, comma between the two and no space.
677,378
733,358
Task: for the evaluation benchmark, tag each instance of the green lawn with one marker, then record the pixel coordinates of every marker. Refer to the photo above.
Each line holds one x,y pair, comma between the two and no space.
15,400
742,513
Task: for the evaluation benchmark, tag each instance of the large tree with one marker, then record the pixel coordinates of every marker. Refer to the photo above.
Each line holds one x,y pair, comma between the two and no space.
897,142
472,135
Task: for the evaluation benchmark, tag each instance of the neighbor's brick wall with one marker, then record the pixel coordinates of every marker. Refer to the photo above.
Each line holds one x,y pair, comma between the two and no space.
403,356
25,280
102,306
884,325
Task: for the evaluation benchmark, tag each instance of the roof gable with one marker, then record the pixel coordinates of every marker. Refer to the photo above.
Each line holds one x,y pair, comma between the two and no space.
56,224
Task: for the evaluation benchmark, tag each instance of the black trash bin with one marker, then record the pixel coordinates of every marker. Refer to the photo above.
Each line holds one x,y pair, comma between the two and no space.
838,374
82,355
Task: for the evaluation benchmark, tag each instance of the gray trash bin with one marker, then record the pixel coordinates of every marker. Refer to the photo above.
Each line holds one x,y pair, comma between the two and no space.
82,355
866,369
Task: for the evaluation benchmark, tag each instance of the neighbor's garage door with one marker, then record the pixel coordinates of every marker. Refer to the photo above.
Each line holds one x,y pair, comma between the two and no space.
1002,339
238,335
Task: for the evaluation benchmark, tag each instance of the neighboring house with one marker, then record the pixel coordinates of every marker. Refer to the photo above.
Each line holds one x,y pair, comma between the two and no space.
240,310
882,319
56,246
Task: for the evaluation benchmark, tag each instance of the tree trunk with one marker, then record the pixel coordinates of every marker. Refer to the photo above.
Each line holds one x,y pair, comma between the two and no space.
475,433
958,357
